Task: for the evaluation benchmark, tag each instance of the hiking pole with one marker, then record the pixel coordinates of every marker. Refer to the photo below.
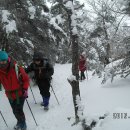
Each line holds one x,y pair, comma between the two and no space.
33,95
3,118
55,95
31,112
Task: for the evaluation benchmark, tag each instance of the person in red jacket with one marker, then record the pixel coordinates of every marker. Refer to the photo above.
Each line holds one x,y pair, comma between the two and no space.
82,66
16,85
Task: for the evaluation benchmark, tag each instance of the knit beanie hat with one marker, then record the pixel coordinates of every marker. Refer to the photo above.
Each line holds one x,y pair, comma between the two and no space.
37,55
3,56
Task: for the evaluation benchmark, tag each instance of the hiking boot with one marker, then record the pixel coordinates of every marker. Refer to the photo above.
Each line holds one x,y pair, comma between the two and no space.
20,126
46,108
16,127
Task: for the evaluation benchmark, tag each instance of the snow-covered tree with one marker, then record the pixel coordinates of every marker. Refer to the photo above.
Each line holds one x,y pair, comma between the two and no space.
25,26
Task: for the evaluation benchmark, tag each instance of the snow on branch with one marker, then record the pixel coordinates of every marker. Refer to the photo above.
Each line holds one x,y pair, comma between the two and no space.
111,70
27,41
31,10
73,24
9,25
72,78
52,22
69,5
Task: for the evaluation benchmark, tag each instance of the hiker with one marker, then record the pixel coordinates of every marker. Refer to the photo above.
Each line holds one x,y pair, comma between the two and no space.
43,71
82,66
16,87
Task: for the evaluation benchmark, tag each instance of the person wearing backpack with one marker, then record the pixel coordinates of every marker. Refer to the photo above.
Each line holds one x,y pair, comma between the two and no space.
16,85
43,71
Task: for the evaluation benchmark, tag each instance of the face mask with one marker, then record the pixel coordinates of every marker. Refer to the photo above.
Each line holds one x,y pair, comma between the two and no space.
4,65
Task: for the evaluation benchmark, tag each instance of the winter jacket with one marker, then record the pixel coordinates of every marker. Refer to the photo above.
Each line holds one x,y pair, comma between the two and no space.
11,83
42,71
82,64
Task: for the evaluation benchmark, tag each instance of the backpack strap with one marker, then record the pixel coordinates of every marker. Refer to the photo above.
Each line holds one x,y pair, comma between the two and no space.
16,67
17,70
17,74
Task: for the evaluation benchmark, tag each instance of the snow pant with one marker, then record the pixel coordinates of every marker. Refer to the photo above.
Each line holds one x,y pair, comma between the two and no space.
45,101
82,75
44,87
17,109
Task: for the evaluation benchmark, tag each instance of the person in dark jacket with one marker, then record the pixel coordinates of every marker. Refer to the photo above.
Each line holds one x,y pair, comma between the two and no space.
15,89
43,71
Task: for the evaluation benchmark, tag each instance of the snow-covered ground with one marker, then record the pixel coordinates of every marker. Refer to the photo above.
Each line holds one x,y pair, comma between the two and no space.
111,99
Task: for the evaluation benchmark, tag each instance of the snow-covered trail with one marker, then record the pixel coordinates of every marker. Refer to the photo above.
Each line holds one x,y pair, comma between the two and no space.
56,117
96,98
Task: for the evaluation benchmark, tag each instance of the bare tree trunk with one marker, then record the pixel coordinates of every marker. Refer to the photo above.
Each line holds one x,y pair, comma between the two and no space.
75,59
107,45
75,83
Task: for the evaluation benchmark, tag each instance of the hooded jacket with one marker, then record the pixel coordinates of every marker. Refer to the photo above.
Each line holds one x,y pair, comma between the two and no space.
42,71
10,81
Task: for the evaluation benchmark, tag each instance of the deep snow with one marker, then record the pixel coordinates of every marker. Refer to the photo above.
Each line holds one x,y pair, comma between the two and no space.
97,99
